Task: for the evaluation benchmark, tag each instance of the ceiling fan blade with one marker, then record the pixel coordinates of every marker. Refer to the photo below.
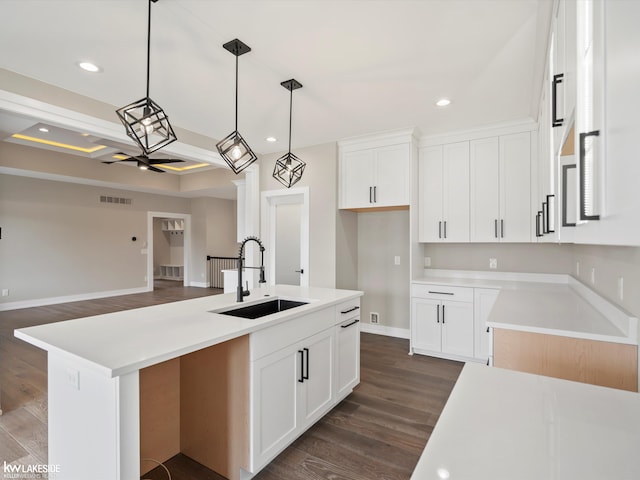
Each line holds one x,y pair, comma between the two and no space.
160,161
154,169
109,162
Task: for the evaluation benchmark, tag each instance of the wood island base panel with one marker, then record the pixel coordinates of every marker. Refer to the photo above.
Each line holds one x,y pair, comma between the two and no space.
589,361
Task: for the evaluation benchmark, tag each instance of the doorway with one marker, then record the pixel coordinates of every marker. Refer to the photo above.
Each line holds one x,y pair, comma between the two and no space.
285,230
170,235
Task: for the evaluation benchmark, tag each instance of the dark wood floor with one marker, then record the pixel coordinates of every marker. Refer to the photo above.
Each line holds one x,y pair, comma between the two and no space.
377,432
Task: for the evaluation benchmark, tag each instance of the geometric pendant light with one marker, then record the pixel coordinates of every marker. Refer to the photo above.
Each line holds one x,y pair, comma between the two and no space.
145,121
233,148
288,169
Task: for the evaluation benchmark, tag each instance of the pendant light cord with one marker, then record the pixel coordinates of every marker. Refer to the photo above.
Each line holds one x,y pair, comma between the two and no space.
236,92
148,47
290,115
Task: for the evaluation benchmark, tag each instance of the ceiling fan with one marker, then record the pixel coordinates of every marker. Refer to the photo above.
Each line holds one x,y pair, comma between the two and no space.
143,161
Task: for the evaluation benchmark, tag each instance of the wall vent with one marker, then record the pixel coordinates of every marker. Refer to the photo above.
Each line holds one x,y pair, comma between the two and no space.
116,200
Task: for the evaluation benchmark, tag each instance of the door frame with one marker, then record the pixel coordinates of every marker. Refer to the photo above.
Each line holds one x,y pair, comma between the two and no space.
269,201
186,249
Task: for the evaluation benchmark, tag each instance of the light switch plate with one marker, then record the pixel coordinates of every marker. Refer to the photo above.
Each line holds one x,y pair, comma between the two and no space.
493,263
396,260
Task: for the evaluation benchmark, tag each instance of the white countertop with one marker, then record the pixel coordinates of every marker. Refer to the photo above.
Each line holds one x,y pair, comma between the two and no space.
547,304
122,342
501,424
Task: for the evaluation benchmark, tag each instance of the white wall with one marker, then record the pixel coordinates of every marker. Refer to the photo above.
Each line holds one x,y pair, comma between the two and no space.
321,177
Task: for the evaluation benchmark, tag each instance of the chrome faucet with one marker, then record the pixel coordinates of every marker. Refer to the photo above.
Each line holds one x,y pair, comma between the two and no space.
241,293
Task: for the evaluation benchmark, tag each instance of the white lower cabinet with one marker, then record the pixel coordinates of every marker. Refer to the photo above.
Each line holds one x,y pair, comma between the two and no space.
439,325
315,364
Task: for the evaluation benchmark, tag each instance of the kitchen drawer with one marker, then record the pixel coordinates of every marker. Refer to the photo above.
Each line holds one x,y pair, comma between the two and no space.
272,339
442,292
348,310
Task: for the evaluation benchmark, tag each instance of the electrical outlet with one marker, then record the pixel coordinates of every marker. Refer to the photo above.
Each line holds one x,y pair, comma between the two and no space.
374,317
493,263
427,261
5,292
621,288
577,269
73,377
593,275
396,260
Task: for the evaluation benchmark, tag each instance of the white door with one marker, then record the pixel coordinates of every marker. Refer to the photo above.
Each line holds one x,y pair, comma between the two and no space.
316,392
425,324
457,328
430,193
392,176
356,179
455,178
485,190
515,187
348,356
287,247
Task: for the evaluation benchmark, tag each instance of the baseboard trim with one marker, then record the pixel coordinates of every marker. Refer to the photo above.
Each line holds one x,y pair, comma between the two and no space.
199,284
384,330
40,302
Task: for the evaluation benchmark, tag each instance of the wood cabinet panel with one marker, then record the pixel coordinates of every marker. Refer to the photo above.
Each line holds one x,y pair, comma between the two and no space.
600,363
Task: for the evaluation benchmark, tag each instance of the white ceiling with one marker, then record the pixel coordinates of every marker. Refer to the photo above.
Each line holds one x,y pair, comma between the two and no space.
366,65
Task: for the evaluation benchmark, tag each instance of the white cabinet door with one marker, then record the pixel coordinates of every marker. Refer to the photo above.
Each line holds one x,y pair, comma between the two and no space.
356,179
275,403
315,392
515,187
485,190
430,194
483,301
456,319
425,324
347,356
443,193
392,171
455,179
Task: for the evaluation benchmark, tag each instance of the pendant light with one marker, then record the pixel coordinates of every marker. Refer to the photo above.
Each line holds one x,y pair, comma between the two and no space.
144,120
288,169
233,148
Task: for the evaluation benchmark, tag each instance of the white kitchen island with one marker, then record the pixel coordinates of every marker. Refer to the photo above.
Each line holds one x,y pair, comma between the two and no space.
211,381
506,425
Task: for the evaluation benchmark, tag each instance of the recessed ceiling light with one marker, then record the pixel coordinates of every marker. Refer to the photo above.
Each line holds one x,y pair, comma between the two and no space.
44,130
89,67
443,102
271,139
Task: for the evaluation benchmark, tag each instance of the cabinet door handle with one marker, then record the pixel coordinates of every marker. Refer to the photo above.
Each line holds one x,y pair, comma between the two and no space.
501,228
538,224
375,194
443,314
544,218
349,324
301,379
306,376
495,228
555,121
440,229
445,229
549,202
437,313
583,153
370,194
350,310
441,293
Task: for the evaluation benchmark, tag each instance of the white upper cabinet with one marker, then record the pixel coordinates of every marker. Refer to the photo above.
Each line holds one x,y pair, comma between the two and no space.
501,188
375,173
607,126
443,192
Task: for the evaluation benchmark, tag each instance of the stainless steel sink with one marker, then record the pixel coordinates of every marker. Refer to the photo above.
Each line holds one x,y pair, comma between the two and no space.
263,309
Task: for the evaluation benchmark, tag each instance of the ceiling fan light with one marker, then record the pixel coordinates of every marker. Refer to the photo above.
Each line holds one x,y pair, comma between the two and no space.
147,124
236,152
288,169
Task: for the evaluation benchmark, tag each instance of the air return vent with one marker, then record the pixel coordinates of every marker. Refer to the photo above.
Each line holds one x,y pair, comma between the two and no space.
116,200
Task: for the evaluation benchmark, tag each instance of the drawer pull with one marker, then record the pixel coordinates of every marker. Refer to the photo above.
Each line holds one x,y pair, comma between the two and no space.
306,376
301,379
349,324
350,310
441,293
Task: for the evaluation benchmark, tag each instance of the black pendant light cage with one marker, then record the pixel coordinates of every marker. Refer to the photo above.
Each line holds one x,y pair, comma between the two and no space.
144,120
233,148
289,168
